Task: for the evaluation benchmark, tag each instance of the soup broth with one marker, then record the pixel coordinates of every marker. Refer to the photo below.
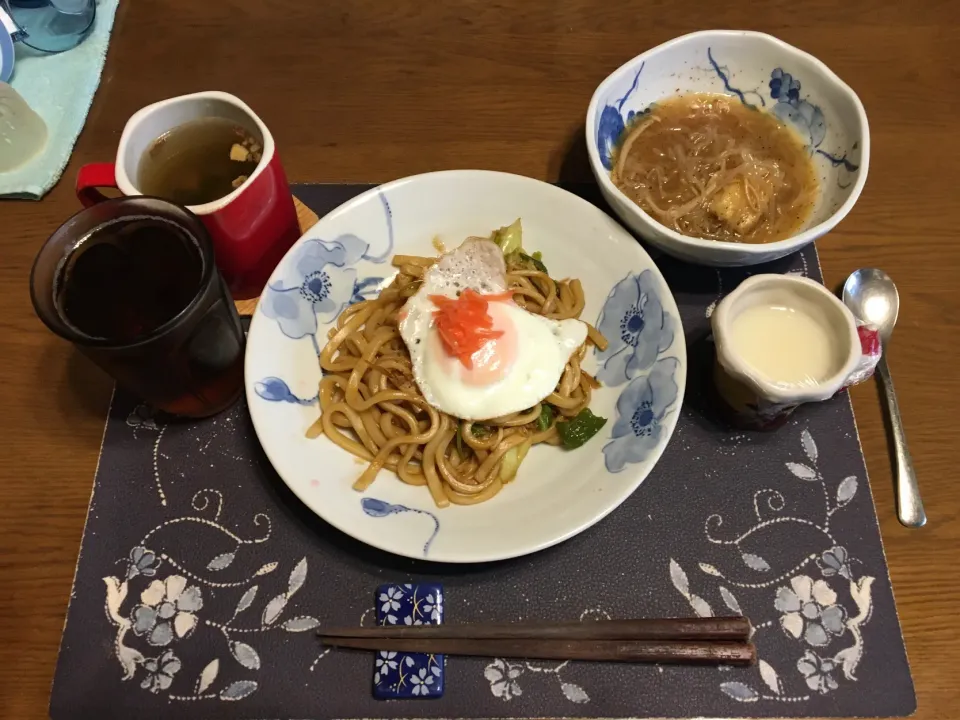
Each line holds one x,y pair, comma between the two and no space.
709,167
198,162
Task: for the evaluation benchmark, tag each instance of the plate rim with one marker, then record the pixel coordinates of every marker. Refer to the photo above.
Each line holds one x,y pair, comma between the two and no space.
670,423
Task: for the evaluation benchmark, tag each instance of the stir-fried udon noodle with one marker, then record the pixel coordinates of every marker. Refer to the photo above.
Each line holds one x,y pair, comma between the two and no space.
372,407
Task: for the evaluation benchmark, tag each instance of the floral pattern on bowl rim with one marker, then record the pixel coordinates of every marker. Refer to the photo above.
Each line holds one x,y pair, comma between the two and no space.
786,103
344,259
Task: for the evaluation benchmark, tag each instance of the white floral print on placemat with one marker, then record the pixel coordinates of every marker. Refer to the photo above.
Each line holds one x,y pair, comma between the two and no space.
504,675
157,604
817,613
169,611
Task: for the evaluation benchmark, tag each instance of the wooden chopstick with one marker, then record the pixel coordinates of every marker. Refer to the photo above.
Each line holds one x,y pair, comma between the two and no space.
699,653
651,629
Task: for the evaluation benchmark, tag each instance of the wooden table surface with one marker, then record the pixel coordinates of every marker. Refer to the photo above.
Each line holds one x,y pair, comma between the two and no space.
367,90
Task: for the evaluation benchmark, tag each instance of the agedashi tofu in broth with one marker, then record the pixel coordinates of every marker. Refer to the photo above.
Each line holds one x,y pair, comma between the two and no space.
707,166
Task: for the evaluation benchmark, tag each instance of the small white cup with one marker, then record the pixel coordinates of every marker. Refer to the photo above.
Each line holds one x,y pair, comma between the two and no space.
754,399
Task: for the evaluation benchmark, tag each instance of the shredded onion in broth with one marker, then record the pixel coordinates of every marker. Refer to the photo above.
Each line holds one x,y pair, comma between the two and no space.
371,406
706,166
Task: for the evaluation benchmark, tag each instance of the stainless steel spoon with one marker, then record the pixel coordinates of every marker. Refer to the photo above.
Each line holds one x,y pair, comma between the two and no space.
872,297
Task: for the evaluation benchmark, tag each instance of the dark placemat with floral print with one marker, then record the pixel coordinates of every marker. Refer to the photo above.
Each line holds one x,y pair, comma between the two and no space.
201,577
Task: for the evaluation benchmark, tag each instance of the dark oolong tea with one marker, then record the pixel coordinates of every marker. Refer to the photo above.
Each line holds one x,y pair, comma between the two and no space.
133,283
138,283
198,162
126,279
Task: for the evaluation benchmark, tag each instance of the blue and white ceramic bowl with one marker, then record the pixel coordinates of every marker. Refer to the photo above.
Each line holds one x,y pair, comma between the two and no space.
345,258
763,72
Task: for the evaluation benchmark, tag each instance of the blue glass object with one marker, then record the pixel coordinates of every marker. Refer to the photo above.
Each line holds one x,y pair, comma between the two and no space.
6,54
408,675
51,25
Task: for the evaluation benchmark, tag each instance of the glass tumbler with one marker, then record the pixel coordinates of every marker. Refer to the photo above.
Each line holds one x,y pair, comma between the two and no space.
133,283
51,25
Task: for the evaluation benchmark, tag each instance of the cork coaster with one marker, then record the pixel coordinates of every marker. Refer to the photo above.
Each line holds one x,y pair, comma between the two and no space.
307,219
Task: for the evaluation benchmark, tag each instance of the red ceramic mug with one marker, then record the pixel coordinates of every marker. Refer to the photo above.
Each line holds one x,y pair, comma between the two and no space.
252,227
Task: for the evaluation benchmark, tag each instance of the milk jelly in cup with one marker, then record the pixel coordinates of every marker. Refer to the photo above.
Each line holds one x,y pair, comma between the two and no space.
781,340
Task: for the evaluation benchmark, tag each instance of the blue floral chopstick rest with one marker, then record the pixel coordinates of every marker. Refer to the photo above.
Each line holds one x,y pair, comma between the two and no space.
408,675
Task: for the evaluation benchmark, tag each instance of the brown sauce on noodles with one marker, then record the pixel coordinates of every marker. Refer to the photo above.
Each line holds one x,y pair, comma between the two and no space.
371,406
709,167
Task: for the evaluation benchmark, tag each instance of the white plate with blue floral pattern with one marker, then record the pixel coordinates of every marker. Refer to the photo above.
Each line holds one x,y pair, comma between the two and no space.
557,493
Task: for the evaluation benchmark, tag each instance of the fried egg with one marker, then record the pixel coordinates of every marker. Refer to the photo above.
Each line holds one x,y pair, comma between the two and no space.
509,373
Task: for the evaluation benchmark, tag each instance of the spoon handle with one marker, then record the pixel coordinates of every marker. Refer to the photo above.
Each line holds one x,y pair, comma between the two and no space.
909,506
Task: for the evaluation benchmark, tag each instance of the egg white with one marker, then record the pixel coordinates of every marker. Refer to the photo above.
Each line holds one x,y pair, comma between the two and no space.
544,346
